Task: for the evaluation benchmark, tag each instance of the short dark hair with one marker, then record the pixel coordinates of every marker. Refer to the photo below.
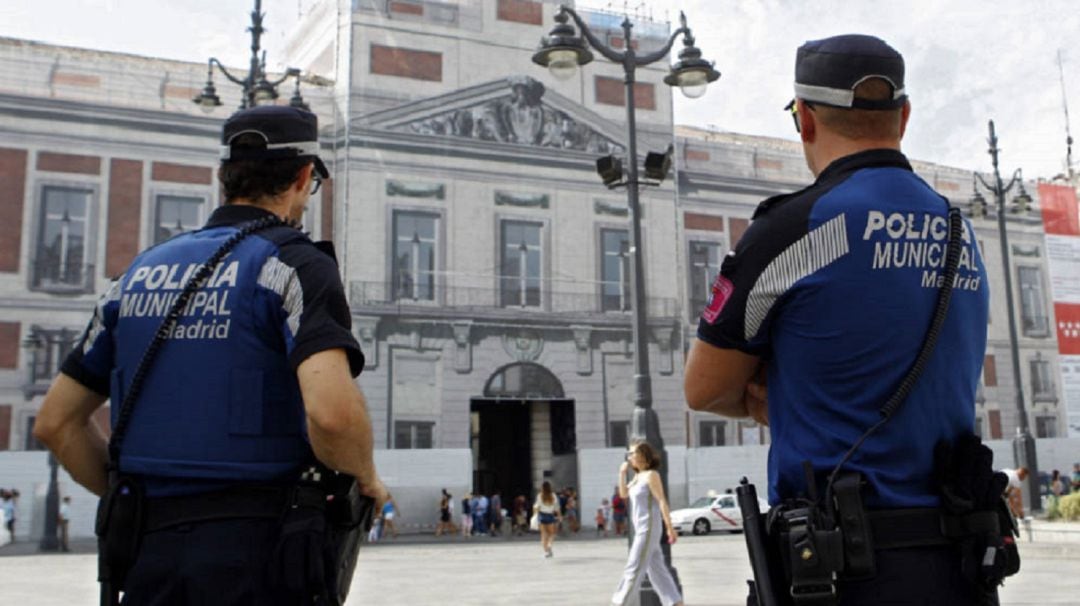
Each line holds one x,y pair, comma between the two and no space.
648,454
256,180
864,123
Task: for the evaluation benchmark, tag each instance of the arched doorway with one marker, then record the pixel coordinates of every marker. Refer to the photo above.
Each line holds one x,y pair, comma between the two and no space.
522,432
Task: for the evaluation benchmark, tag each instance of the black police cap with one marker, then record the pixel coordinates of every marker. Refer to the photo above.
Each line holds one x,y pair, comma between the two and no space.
288,132
828,70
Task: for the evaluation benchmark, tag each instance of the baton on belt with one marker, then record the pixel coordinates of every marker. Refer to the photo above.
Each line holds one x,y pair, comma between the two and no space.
757,545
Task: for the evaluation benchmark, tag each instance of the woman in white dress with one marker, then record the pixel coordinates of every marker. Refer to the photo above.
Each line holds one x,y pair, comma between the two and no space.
648,510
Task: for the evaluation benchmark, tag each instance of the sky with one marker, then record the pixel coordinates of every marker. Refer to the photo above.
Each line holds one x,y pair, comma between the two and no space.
968,61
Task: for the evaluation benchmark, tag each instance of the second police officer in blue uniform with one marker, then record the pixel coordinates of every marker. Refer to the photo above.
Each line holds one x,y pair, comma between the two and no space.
820,311
247,388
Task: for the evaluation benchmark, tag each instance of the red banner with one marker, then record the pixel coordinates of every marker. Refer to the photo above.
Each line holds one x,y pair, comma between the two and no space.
1060,214
1068,328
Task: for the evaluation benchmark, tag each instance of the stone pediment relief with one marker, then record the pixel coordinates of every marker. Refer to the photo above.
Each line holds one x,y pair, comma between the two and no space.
518,116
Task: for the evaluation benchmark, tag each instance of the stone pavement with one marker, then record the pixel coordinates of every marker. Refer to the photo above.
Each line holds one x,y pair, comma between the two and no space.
422,570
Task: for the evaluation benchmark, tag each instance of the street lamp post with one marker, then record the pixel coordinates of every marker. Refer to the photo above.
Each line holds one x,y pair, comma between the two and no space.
1024,453
256,88
562,51
49,540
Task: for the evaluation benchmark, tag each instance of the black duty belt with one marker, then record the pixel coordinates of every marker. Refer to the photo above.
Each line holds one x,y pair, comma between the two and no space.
235,503
925,527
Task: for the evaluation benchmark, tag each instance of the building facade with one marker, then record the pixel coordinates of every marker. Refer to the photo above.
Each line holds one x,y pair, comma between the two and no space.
487,267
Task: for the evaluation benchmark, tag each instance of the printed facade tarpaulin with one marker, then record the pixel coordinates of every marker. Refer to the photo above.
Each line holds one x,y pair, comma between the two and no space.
1061,218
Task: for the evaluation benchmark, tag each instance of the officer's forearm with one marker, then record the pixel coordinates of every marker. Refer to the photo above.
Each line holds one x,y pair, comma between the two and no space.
84,454
64,425
344,442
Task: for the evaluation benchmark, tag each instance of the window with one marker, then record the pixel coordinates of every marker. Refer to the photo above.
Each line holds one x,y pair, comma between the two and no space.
704,264
614,270
176,215
413,434
1042,386
519,279
1032,303
619,434
63,255
48,349
711,433
1045,427
415,243
31,442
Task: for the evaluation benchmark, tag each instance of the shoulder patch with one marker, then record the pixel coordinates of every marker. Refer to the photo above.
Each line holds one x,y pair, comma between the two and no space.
719,294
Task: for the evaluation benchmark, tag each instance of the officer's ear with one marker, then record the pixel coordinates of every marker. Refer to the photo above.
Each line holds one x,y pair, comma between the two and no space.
303,178
905,113
807,122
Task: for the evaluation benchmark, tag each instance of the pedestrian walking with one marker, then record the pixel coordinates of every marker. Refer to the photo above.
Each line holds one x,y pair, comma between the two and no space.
444,524
466,516
63,519
652,524
389,513
520,515
618,513
496,513
7,505
546,508
1014,491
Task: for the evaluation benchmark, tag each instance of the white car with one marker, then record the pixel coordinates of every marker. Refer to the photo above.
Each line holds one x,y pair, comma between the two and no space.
720,512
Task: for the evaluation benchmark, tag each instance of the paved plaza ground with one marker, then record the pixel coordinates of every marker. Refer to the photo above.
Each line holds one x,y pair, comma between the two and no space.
421,571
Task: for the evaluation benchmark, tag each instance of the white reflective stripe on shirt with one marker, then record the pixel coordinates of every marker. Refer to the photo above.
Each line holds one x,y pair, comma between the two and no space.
97,324
282,279
818,248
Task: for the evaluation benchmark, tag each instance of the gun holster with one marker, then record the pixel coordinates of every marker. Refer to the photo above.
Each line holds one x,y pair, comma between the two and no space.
348,515
119,527
322,527
800,549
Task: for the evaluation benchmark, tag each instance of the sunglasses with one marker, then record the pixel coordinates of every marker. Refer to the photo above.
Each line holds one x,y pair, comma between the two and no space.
316,179
793,108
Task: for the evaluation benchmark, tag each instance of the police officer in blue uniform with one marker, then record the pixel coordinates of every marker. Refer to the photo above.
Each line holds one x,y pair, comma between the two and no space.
820,310
250,385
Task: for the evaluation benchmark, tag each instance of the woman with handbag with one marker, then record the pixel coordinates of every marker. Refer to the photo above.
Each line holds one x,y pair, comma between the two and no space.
546,509
649,513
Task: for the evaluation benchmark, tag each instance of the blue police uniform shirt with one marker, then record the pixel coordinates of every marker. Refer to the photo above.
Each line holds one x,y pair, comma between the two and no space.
221,403
834,287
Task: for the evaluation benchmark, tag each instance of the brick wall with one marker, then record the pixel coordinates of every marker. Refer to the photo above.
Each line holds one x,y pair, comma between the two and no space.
406,8
125,205
738,228
703,222
989,371
5,426
12,194
181,173
612,91
69,163
520,11
995,423
9,344
406,63
327,210
768,164
696,155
